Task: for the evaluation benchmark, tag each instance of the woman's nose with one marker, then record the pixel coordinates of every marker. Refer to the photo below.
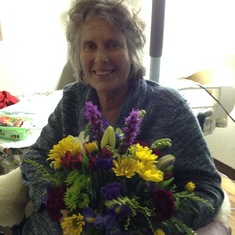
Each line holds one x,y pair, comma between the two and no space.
101,55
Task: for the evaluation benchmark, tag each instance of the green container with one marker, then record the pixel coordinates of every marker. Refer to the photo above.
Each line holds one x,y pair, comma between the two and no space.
13,133
14,127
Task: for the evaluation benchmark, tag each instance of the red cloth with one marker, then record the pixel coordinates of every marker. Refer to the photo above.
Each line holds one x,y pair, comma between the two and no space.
7,99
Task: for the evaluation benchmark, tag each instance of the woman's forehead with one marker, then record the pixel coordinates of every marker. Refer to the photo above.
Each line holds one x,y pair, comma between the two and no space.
101,28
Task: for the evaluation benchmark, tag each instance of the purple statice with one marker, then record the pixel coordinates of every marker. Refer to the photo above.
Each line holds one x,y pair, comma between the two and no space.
104,164
94,117
104,161
112,191
132,128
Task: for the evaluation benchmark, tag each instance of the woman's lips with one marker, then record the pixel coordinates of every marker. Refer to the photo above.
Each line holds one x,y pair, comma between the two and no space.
103,73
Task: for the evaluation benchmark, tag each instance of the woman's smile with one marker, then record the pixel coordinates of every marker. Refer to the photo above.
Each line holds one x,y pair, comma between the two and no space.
103,72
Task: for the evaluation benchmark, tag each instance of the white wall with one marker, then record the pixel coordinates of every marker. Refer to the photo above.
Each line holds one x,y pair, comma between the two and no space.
34,49
197,32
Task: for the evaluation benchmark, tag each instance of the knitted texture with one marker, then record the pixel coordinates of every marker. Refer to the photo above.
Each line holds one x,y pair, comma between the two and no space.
168,115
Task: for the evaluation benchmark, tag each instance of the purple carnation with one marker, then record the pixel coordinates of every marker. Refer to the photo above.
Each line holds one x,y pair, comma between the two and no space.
112,190
164,204
54,202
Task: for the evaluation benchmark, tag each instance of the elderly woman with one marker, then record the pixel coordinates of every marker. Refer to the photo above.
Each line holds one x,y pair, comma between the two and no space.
106,40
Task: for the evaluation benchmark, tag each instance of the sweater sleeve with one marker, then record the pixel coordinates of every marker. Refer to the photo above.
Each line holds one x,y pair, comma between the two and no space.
193,163
38,152
65,120
169,115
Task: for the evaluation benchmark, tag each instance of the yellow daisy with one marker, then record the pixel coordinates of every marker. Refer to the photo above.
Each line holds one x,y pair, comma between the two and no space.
149,172
59,150
142,153
73,225
125,166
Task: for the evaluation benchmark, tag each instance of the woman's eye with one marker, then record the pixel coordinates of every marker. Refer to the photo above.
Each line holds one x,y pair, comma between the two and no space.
89,46
114,45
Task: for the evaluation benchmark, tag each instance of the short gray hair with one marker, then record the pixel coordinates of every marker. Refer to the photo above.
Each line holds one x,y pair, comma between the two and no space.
118,14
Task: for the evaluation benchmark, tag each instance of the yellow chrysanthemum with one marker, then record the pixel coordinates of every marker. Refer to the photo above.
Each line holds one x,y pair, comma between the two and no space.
149,172
91,147
159,232
73,225
59,150
142,153
190,187
126,166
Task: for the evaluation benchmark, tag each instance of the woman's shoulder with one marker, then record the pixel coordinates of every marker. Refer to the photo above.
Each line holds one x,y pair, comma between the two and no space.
76,91
163,93
157,87
74,88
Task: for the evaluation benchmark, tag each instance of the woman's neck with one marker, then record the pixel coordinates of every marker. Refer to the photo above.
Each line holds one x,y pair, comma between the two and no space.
110,105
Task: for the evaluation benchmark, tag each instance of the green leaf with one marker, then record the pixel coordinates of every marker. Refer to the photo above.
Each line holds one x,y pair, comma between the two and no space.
165,183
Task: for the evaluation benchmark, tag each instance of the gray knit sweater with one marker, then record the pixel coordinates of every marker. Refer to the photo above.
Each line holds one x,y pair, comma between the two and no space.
168,115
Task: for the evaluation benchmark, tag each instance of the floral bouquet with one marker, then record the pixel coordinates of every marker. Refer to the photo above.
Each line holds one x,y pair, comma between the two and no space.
106,182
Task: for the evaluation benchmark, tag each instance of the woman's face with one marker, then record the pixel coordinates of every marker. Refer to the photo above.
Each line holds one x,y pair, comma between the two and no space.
104,56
